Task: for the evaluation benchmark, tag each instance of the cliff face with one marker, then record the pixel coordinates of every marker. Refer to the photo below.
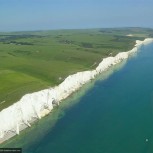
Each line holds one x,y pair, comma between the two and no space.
36,105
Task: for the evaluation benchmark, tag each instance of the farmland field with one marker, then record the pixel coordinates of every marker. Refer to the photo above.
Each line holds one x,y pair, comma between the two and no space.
31,61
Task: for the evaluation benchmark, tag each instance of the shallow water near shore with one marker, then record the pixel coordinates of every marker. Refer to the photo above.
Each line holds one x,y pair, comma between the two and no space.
113,114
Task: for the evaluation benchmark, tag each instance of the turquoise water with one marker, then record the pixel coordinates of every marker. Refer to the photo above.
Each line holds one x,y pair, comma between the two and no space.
111,115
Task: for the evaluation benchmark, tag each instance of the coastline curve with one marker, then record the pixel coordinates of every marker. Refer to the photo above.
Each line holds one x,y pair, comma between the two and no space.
34,106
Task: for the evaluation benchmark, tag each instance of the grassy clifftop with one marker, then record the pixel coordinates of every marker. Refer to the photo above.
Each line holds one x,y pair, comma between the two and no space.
31,61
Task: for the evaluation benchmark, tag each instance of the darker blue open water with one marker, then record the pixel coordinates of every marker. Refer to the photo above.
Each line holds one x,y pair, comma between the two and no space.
114,115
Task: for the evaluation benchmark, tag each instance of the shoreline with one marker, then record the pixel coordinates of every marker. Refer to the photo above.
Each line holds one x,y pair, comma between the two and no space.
34,106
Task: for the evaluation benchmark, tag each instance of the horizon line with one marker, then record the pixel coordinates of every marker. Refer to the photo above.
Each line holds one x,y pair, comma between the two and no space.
60,29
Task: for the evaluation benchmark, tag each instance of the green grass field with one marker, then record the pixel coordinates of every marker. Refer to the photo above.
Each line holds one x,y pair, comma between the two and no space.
31,61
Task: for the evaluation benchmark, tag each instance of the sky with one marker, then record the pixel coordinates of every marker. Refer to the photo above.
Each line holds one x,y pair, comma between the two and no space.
27,15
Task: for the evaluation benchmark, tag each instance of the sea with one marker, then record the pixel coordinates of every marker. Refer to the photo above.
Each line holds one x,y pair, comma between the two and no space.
111,114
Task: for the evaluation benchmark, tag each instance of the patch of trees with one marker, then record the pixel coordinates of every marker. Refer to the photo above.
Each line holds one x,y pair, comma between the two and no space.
6,38
19,43
86,45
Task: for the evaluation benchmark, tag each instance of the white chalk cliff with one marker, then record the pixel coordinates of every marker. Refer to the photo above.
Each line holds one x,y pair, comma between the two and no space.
38,104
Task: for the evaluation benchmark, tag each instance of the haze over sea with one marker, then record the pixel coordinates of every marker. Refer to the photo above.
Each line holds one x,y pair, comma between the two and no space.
113,114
